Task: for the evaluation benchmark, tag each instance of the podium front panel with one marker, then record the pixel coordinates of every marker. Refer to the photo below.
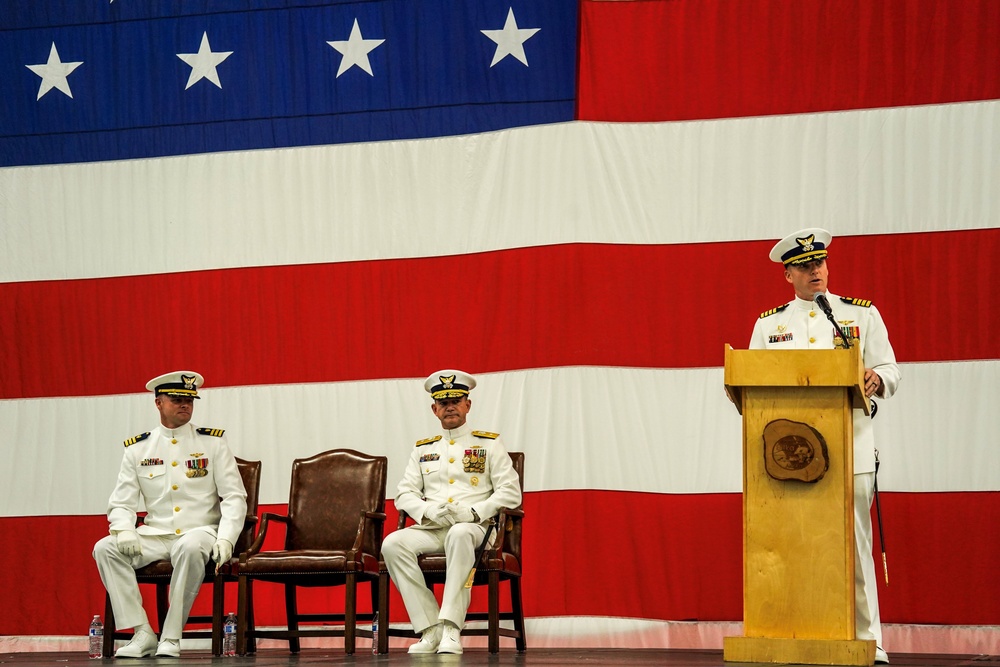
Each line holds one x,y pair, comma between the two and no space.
798,538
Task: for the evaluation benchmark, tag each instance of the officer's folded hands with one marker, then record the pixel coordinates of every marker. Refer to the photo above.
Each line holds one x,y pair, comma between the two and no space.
439,515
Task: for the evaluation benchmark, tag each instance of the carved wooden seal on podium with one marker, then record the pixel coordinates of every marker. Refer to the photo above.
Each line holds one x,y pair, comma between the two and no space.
794,451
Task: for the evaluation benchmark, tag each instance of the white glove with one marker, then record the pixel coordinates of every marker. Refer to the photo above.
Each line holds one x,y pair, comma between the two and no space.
222,551
439,515
128,543
463,514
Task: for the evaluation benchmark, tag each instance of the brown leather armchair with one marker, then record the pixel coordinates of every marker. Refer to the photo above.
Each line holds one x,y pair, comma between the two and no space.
333,536
501,562
159,572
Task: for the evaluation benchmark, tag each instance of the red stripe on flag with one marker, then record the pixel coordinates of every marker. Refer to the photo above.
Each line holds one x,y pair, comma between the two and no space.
656,60
586,553
668,306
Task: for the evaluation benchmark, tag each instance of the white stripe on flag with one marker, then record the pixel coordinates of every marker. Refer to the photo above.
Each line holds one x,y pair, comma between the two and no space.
875,171
624,429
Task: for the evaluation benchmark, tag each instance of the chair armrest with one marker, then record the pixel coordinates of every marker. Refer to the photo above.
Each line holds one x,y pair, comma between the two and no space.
505,518
265,520
376,519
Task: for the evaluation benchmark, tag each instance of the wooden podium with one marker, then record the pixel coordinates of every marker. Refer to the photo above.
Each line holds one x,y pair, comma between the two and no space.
798,532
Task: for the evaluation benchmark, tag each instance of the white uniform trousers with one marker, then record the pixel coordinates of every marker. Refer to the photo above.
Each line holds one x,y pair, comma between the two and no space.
459,543
187,553
868,623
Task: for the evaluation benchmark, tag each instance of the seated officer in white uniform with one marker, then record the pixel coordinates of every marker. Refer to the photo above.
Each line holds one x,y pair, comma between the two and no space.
802,324
181,472
454,483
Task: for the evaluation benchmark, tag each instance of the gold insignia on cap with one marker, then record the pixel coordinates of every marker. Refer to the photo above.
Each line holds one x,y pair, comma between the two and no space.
448,381
188,381
807,242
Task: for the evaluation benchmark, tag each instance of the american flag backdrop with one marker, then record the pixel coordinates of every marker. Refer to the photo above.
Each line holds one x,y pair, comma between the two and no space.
315,204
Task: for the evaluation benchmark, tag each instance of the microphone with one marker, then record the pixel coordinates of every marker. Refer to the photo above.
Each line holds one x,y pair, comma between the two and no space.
824,304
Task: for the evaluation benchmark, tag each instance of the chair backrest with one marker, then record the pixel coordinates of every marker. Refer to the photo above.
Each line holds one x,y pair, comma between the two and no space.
512,541
250,472
329,491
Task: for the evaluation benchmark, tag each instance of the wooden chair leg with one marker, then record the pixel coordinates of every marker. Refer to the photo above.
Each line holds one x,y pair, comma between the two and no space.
383,612
291,610
108,649
350,612
241,617
218,613
493,622
515,605
251,639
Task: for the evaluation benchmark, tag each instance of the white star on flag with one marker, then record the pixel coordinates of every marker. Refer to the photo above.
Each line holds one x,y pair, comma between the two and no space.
203,64
355,51
54,74
510,41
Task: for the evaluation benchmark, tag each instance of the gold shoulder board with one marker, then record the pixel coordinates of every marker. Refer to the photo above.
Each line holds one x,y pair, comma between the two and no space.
864,303
427,441
486,434
138,438
217,432
768,313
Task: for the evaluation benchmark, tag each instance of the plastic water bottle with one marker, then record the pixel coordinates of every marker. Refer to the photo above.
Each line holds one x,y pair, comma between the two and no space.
375,634
229,636
96,638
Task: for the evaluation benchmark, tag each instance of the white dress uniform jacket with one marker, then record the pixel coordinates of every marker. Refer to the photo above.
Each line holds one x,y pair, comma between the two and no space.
801,325
157,469
443,470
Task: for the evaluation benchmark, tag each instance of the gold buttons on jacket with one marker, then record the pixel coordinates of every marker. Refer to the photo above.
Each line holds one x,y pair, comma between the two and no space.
174,464
150,474
451,460
450,500
174,487
812,340
812,313
178,531
451,481
173,441
451,442
177,509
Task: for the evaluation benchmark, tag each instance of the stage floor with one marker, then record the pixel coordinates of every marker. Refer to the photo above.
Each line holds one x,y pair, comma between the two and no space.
475,656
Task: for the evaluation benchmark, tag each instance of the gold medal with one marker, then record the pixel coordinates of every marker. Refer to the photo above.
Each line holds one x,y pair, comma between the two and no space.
191,473
474,481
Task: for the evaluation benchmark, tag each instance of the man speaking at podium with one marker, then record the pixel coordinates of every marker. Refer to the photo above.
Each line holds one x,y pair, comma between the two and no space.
818,320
